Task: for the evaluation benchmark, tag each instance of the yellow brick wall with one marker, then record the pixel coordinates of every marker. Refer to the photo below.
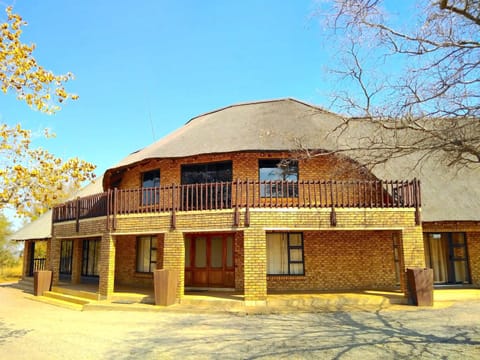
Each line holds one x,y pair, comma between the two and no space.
255,265
473,248
239,261
342,260
106,266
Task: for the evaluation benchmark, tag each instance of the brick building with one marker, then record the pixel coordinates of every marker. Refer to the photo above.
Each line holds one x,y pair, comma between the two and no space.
230,202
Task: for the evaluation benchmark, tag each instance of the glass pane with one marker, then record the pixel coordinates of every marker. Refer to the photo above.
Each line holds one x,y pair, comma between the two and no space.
438,258
296,269
458,238
461,275
187,252
295,239
143,254
229,251
95,257
151,179
459,253
200,252
216,252
277,254
296,255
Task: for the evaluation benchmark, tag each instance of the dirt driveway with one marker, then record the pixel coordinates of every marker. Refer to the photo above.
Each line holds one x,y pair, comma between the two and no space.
32,330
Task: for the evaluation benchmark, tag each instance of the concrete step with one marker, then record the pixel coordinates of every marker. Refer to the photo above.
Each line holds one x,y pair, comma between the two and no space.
66,298
76,293
57,302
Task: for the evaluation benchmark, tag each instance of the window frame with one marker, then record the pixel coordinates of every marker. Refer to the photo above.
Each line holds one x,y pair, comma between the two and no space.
152,247
291,189
289,255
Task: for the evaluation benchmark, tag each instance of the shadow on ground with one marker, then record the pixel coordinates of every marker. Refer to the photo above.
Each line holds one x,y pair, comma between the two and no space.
337,335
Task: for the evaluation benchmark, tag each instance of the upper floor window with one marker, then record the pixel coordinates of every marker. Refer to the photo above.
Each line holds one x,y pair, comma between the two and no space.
150,187
210,196
207,173
278,178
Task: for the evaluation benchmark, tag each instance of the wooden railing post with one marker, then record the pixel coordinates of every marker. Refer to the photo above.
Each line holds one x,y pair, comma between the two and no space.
247,205
173,222
418,219
77,215
109,192
115,204
236,214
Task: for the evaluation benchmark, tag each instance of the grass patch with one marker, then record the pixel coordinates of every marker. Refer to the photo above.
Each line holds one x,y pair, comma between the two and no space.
11,273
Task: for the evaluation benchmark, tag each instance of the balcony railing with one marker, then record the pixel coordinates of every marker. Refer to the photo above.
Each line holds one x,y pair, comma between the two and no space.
243,194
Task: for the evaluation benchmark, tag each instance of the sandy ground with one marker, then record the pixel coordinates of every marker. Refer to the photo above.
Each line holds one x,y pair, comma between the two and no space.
33,330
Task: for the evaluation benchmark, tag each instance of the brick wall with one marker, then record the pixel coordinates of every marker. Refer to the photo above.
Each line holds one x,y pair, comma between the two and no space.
473,248
341,260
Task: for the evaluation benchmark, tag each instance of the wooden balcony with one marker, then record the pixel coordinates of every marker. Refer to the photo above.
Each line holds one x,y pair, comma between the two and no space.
244,194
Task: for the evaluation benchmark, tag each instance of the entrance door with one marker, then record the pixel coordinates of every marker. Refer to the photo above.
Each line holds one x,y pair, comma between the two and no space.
209,260
91,250
446,254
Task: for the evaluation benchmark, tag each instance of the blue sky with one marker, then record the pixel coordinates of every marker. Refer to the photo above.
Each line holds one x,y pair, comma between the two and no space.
143,69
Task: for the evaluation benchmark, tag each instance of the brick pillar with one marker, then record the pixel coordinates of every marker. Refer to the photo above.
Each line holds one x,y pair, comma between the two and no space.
48,261
413,252
255,266
174,258
106,266
55,259
76,261
26,258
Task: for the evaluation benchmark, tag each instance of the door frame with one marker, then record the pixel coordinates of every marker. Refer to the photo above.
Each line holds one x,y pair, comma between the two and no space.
210,274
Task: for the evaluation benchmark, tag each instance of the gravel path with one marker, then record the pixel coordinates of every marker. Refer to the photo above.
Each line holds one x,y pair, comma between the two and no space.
33,330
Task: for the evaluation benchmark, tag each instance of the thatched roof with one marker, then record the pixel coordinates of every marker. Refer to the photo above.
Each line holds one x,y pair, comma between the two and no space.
267,125
286,124
41,228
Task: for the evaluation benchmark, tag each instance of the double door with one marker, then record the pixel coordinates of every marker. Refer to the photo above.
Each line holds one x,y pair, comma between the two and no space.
209,260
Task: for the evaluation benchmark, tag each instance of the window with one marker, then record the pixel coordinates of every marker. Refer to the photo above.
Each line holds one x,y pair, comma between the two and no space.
206,196
446,253
281,177
146,254
150,187
207,173
285,254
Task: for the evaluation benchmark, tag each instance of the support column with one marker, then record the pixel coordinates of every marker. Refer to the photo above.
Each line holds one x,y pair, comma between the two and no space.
55,248
255,266
174,258
76,261
27,249
106,266
48,261
413,252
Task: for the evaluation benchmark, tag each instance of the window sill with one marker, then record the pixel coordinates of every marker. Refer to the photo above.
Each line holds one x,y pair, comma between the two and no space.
144,275
286,277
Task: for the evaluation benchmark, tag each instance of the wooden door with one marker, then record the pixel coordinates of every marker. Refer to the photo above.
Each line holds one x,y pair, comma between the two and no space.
209,260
